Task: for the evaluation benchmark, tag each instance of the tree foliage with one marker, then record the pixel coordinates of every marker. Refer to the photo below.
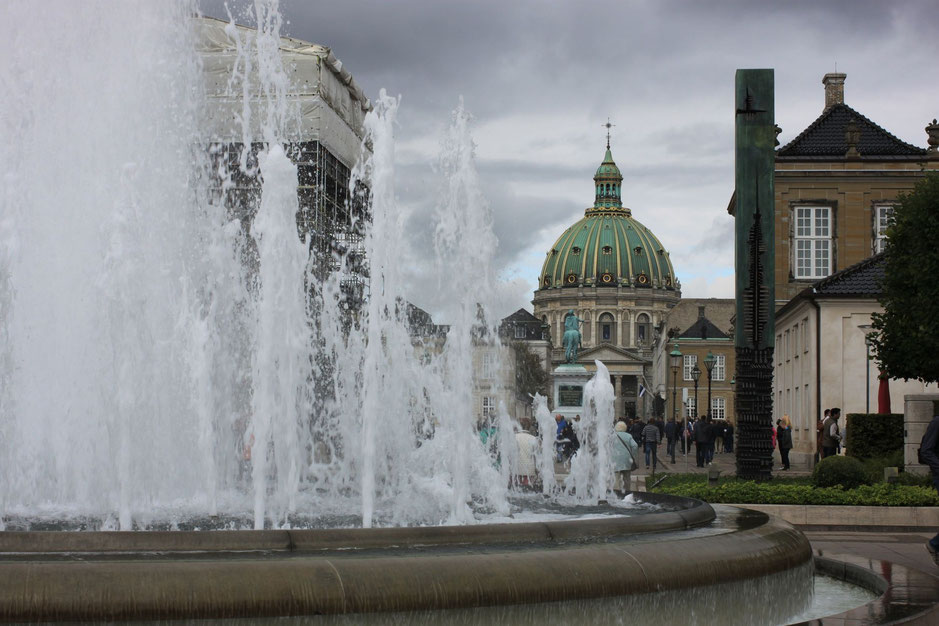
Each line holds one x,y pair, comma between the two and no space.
530,376
906,341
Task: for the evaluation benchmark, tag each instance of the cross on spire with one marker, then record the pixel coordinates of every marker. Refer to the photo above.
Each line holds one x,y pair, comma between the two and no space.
608,126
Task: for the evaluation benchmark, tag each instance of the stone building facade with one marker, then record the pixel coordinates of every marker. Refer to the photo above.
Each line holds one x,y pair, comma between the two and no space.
836,185
613,273
697,327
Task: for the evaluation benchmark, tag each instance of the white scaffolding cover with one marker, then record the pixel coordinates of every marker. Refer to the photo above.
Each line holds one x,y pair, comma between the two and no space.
331,104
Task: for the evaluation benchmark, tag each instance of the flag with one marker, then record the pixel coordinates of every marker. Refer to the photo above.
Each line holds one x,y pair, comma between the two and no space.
642,390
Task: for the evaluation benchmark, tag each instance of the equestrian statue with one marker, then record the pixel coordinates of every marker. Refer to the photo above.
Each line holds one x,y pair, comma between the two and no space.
571,336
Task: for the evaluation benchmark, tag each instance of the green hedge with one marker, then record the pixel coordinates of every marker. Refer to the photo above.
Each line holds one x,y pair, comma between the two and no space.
873,434
750,492
840,470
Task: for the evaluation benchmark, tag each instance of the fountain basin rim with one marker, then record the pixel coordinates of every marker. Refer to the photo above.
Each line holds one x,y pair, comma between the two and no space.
694,513
173,587
909,597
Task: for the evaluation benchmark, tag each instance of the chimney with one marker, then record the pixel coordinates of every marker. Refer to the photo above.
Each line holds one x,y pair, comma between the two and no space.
834,89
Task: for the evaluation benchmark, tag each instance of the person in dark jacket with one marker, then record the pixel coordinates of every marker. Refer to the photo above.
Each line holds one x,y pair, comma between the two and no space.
671,436
652,438
701,441
784,439
929,455
729,438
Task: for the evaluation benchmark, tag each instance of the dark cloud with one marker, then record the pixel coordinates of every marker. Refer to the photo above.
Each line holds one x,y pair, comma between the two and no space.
541,77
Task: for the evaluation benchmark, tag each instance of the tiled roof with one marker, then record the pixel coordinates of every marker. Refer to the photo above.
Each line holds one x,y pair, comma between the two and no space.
521,316
860,279
703,328
824,138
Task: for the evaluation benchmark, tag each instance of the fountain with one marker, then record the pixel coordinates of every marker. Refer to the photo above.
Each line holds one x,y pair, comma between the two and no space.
170,364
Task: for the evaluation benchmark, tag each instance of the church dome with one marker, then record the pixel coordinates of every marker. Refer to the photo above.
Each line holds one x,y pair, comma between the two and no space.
608,247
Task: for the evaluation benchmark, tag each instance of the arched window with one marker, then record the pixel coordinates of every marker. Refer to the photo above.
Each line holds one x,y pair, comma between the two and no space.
607,328
643,330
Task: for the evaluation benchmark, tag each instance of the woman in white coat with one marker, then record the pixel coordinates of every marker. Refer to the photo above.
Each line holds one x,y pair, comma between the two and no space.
625,451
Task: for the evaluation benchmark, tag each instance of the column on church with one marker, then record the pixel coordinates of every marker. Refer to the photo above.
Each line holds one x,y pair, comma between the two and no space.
618,396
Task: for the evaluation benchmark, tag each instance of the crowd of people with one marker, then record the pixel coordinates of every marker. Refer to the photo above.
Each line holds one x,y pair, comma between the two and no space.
707,435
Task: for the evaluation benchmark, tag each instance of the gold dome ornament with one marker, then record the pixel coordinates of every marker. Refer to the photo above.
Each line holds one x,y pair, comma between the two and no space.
642,279
606,278
571,279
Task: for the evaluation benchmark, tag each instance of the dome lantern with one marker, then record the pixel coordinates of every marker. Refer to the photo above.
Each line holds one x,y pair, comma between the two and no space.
608,247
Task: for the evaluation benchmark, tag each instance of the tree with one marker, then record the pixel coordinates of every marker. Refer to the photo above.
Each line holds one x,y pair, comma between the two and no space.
530,376
906,337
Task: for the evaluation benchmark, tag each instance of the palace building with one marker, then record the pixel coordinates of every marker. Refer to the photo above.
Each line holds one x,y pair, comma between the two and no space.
617,276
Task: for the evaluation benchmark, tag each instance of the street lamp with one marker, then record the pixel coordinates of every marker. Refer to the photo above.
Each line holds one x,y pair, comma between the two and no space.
675,356
695,375
709,362
868,330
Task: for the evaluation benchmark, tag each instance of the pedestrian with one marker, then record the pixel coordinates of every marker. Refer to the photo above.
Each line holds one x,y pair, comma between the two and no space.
558,444
929,455
625,451
671,435
831,434
710,429
729,438
819,429
652,437
784,437
700,441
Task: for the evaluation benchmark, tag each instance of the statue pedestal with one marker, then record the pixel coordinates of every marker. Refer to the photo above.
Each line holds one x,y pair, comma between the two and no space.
569,381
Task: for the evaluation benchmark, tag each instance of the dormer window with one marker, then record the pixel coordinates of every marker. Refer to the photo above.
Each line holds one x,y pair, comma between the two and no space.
607,250
638,249
575,250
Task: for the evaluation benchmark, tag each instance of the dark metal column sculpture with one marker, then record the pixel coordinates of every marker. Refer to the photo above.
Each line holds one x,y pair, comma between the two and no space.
755,267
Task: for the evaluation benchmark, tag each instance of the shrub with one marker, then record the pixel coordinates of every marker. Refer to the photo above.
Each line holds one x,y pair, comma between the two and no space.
736,491
919,480
872,435
839,470
875,467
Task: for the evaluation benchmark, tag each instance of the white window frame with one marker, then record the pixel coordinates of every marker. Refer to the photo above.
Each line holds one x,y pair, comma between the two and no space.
717,408
489,407
520,331
717,373
490,365
812,242
690,407
688,362
883,216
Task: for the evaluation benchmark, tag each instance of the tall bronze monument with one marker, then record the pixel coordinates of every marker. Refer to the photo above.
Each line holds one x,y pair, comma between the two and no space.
754,261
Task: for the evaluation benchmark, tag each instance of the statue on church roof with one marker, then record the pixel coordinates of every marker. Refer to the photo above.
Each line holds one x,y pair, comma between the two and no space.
571,336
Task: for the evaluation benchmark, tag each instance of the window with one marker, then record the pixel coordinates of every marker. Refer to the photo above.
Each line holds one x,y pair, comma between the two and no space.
690,360
884,217
812,242
519,331
607,330
718,372
691,408
489,407
643,329
490,365
717,408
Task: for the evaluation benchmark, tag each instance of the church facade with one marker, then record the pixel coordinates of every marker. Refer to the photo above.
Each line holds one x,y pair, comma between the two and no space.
613,273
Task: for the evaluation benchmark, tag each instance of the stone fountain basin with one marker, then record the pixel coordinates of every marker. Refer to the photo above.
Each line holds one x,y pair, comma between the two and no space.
47,576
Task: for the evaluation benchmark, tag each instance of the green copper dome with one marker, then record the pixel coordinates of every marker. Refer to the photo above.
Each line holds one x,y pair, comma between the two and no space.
607,248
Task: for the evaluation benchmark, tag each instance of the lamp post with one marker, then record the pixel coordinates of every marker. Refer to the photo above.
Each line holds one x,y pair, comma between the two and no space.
695,375
867,329
709,362
675,356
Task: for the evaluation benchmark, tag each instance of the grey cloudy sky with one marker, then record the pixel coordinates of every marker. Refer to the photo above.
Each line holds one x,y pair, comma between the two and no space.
540,78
